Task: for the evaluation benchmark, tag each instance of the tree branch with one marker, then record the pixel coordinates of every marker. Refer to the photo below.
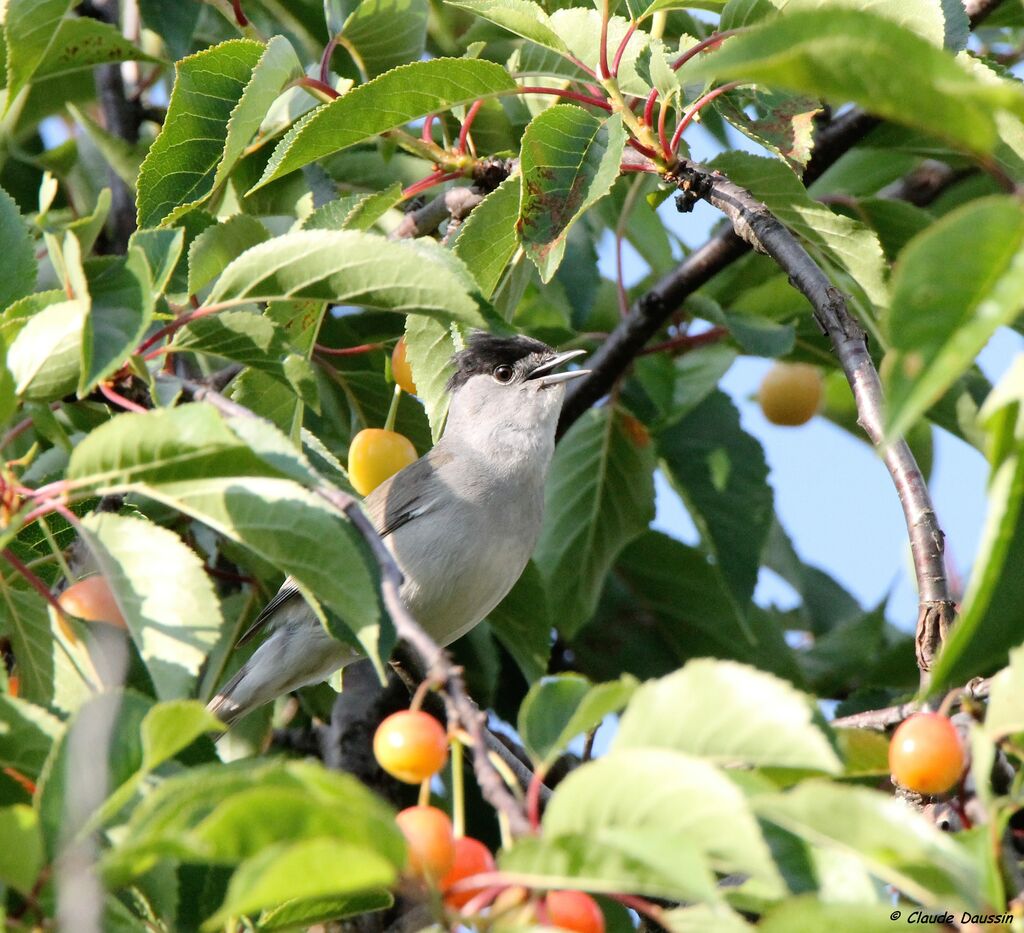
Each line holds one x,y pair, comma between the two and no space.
760,228
977,689
439,668
121,118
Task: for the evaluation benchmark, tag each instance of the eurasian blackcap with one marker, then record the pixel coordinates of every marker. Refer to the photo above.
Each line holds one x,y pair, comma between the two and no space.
461,521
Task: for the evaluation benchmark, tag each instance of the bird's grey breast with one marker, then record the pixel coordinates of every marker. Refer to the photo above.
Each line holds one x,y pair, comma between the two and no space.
462,529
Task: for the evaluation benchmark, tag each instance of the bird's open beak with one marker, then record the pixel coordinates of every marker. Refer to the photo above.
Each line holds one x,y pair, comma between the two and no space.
544,371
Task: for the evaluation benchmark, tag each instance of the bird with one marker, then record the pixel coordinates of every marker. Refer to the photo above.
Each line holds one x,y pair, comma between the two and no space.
461,521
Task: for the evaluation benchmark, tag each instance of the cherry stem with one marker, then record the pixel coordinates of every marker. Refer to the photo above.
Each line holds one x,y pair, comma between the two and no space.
425,133
484,899
712,41
236,5
389,424
695,109
119,400
346,351
32,580
649,106
176,325
637,167
20,428
662,135
423,184
603,62
622,48
687,342
533,799
569,95
315,84
325,60
644,907
466,124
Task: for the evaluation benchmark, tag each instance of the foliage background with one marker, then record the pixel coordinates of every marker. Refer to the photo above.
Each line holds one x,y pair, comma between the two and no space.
276,182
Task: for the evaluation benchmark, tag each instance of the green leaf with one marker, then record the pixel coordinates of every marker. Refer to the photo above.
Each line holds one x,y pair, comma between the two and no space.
27,733
557,709
220,97
923,17
382,34
721,473
19,277
122,308
989,621
173,616
354,211
304,913
852,55
487,241
522,623
429,346
663,796
680,588
385,103
171,444
355,268
21,856
45,356
246,337
213,250
522,17
568,162
82,43
170,727
944,310
1005,714
307,869
727,712
848,249
896,844
599,496
30,28
174,23
808,914
162,249
626,861
52,671
297,532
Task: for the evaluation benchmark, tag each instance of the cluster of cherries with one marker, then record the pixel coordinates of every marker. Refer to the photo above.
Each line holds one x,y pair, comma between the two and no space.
412,746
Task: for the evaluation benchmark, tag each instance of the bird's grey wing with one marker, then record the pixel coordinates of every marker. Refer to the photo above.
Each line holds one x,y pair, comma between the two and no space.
408,494
395,502
286,594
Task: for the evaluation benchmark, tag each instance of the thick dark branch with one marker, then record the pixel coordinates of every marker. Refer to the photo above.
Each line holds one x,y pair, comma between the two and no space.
121,117
439,668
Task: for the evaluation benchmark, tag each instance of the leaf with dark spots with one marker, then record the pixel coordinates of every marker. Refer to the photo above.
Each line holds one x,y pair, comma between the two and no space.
569,160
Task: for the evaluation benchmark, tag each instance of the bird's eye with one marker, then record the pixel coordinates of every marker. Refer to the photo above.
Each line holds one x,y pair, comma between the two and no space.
504,373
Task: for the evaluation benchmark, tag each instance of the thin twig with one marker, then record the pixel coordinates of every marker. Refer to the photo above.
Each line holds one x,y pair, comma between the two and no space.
888,716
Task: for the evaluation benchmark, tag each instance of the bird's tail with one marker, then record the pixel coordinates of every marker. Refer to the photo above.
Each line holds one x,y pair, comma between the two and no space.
291,657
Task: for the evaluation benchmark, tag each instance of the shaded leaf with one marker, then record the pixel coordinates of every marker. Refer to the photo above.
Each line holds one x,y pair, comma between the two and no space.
558,709
19,276
722,475
599,496
173,616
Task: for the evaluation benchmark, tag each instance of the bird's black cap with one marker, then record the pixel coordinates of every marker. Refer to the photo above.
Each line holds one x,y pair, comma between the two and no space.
486,351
